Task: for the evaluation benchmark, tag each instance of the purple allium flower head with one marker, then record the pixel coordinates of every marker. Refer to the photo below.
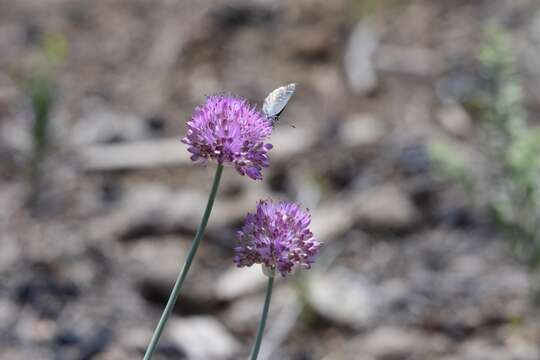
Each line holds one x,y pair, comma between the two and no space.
229,130
277,236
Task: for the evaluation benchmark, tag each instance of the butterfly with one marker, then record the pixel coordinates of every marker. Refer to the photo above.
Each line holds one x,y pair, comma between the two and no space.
275,102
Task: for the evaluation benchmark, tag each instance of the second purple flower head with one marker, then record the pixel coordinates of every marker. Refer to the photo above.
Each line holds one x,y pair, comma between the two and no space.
228,130
278,237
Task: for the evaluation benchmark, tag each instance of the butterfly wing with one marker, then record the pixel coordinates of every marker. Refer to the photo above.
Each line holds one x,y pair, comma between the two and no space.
275,102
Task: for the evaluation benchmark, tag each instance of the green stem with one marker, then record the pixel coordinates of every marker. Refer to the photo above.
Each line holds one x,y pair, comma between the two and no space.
182,276
264,315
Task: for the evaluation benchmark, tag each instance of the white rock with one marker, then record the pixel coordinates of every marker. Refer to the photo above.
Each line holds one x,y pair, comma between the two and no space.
237,282
394,290
203,338
8,312
292,142
455,120
134,337
361,130
134,155
330,220
151,208
482,350
101,124
343,297
15,135
244,313
385,207
157,261
154,264
359,66
391,342
9,91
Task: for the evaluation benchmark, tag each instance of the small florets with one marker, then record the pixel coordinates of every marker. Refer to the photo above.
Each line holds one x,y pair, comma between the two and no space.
277,236
229,130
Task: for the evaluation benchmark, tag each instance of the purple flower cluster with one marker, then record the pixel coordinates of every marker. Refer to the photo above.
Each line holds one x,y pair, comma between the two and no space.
278,237
229,130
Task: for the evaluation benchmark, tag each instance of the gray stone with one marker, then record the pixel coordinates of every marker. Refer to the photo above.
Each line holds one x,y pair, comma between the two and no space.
203,338
30,328
11,251
13,353
385,207
359,67
396,343
8,91
134,337
237,282
454,119
100,124
344,297
361,130
395,291
15,135
331,220
134,155
157,261
8,312
151,209
483,350
244,313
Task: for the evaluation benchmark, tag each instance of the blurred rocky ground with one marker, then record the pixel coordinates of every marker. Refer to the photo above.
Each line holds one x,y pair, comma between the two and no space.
409,270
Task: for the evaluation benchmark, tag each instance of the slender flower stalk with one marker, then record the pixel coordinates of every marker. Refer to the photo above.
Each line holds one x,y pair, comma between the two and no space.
264,316
277,236
189,260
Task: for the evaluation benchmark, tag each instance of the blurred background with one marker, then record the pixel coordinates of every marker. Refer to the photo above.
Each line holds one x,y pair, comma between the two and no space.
411,137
